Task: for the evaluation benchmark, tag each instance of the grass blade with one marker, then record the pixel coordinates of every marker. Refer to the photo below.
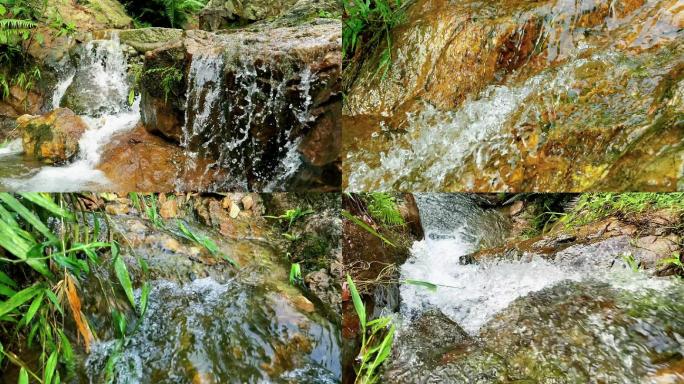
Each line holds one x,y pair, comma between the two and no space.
20,298
367,227
358,303
46,202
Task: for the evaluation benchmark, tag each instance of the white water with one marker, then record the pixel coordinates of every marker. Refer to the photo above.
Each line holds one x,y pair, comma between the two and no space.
11,148
473,294
210,102
106,67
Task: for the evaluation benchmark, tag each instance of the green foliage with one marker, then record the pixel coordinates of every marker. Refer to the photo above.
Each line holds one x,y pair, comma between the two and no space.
383,208
377,337
291,215
595,206
675,262
40,277
170,78
366,23
631,262
163,13
295,274
204,242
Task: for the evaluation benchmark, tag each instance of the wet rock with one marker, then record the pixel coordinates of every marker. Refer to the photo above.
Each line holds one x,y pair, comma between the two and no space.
574,332
117,209
582,104
598,244
168,208
53,137
149,39
409,211
20,102
140,161
433,348
292,76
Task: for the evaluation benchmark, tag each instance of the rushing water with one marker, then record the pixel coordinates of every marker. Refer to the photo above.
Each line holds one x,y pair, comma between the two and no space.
104,66
226,117
529,311
497,137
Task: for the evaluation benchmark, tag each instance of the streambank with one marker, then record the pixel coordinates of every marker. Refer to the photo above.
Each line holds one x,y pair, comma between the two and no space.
575,307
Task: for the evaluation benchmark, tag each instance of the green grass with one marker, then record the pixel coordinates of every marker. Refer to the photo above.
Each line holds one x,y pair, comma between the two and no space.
377,338
596,206
366,24
292,215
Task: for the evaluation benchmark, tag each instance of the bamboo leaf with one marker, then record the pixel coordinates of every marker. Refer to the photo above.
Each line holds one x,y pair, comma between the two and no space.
144,296
421,283
365,226
7,280
50,367
358,303
27,215
124,278
20,298
23,376
33,308
44,200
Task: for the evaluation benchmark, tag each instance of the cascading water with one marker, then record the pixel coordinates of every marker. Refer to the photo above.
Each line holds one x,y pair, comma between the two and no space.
473,293
561,320
485,142
101,80
245,117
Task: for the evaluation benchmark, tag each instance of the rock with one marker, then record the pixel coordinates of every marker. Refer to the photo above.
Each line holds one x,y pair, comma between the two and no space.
140,161
169,209
234,210
220,14
89,15
117,209
52,138
517,207
409,211
149,39
611,128
247,202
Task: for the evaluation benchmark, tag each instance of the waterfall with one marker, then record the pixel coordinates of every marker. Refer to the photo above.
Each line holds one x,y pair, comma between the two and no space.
103,65
246,119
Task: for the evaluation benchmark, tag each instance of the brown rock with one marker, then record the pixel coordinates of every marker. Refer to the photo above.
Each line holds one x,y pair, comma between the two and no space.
117,209
53,137
169,209
247,202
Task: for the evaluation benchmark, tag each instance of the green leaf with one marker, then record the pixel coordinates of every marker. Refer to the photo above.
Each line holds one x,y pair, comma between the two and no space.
20,298
50,367
421,283
144,296
67,351
7,291
358,303
7,280
124,278
23,376
27,215
44,200
33,308
365,226
55,301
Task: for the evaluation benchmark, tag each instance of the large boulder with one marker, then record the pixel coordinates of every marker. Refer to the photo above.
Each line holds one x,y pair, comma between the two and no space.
524,96
52,138
89,15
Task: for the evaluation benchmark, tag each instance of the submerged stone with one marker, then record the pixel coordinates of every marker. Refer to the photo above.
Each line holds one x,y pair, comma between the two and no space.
52,138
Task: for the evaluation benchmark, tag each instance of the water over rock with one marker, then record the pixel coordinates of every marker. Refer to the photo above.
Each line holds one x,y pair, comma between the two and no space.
259,103
550,95
52,138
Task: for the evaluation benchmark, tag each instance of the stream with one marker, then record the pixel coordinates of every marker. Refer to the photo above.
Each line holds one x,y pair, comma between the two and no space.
207,322
549,321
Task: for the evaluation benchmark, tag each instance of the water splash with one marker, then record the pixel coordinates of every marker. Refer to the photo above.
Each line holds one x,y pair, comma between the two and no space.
108,113
245,117
473,294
